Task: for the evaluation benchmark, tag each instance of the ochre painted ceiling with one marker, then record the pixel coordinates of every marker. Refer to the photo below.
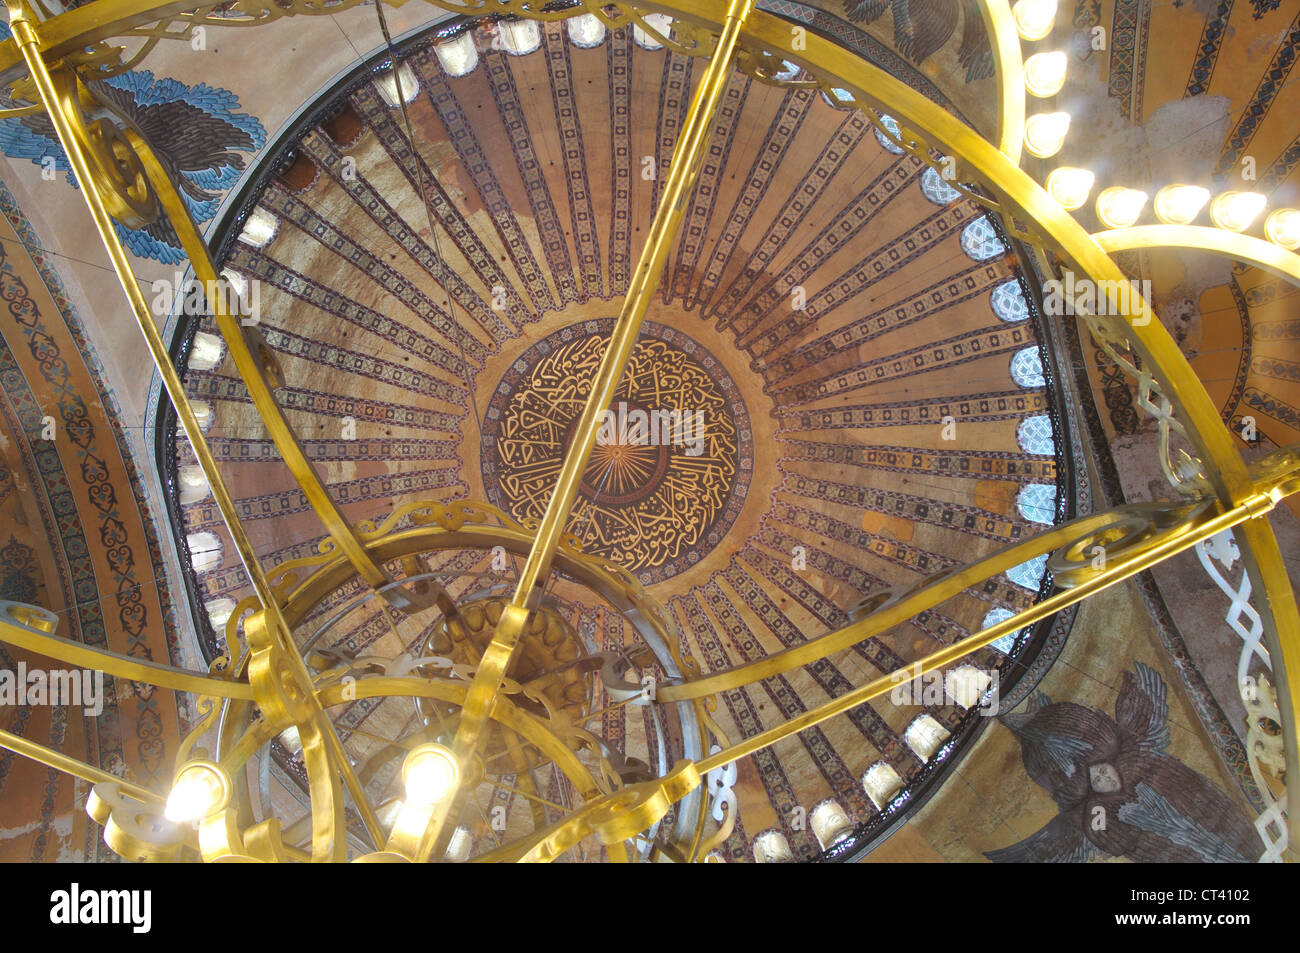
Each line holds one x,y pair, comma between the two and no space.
355,308
827,471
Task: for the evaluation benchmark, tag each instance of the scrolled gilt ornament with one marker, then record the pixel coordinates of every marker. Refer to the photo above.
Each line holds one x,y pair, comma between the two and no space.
1264,743
1278,473
119,176
628,812
277,689
136,830
220,840
905,138
1129,531
1186,473
770,68
209,708
686,38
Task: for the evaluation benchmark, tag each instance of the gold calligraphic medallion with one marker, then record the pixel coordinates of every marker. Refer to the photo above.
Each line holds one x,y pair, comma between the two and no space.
671,465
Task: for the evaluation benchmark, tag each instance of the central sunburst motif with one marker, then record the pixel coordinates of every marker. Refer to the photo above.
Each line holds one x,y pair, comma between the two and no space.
623,470
671,464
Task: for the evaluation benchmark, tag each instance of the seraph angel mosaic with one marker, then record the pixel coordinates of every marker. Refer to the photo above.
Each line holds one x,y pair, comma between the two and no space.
1117,790
197,132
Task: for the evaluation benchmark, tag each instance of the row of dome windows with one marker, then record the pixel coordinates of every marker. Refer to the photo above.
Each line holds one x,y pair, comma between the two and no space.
1036,502
459,56
965,685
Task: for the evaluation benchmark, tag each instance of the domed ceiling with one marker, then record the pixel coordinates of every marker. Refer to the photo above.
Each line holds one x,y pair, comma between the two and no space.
840,366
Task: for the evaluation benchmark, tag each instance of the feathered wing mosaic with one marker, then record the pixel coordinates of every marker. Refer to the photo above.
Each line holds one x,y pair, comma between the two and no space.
1117,790
197,132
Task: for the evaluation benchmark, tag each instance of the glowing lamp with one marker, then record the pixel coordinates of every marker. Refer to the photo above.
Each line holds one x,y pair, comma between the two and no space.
1180,204
1045,133
1070,187
1045,73
430,772
1118,207
201,788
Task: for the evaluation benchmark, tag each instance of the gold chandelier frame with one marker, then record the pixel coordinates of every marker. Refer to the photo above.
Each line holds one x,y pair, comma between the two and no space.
260,693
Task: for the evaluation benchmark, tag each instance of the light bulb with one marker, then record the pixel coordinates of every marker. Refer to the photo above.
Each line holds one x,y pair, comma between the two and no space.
1180,204
1045,133
1045,73
1236,210
1283,227
1034,18
1118,207
201,789
1070,187
430,772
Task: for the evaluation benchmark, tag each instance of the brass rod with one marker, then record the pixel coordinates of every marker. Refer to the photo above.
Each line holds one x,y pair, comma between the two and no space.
608,708
120,666
532,797
26,36
29,42
683,172
69,765
359,800
1252,507
250,372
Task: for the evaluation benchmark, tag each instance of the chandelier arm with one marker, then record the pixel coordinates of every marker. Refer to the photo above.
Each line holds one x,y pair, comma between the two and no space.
64,111
1009,73
684,170
291,451
83,31
254,737
926,595
1174,537
437,526
328,822
36,635
68,765
283,690
77,29
133,195
1276,605
622,591
613,819
1169,542
524,777
506,712
1267,256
